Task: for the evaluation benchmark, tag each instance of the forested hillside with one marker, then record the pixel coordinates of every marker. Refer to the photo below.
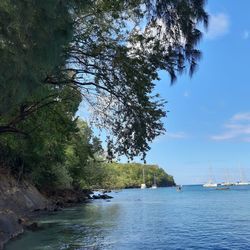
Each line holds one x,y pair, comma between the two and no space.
130,175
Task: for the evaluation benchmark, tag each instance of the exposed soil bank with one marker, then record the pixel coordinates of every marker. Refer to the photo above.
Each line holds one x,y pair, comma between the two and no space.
21,202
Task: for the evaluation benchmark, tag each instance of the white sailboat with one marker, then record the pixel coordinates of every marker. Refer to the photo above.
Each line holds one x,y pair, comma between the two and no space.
242,181
228,179
154,186
210,183
143,185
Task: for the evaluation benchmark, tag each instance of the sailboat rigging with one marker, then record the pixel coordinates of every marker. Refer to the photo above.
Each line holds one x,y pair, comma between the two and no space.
143,185
154,186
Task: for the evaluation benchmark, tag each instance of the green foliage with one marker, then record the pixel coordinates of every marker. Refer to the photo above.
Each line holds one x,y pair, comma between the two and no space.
41,151
117,51
50,177
89,44
57,54
130,175
80,153
33,35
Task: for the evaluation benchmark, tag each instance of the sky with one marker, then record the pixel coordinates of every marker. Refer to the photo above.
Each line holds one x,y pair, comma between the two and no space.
208,124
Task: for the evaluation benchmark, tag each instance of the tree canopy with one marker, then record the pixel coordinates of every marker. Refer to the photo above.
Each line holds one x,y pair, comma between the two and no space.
105,54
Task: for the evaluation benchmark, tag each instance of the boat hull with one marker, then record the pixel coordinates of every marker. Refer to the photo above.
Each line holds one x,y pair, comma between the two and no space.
210,185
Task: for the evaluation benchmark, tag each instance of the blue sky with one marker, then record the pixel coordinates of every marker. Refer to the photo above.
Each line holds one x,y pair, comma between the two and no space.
208,123
209,118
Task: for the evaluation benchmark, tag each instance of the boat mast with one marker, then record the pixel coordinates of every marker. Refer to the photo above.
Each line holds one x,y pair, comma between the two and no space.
211,180
143,176
154,185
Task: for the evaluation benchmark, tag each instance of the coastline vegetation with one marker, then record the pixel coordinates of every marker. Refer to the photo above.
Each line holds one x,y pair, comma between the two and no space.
76,161
56,55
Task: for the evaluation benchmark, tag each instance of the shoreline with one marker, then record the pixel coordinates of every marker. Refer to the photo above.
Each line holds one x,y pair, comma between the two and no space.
21,204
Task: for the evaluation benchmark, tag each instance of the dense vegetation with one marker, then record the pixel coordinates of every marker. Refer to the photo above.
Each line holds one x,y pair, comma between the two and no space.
104,54
129,175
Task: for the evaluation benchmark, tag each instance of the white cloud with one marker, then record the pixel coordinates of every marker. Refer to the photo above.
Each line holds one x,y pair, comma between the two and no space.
237,128
246,34
241,117
218,26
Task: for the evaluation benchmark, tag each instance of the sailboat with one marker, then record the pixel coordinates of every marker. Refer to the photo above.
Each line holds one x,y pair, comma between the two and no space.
242,181
143,185
154,186
210,183
228,181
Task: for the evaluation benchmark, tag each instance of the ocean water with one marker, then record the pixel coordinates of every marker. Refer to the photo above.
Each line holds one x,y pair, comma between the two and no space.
196,218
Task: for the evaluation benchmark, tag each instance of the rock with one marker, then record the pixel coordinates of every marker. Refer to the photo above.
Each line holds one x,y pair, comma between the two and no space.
18,200
9,226
89,197
105,196
56,209
23,221
96,197
101,196
33,226
59,203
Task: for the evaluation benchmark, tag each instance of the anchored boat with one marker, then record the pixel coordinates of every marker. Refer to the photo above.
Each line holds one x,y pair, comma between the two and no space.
210,183
154,186
143,185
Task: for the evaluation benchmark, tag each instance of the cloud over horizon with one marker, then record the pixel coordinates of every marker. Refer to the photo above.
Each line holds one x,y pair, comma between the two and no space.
237,128
218,26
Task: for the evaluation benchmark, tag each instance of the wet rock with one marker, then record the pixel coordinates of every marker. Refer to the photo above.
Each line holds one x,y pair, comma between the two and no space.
9,226
32,226
56,209
96,197
23,221
89,197
101,196
105,196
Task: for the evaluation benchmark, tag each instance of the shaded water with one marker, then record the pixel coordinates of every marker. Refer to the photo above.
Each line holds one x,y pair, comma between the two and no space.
162,218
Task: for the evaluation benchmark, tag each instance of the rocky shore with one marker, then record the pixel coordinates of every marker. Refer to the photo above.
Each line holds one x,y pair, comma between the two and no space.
21,203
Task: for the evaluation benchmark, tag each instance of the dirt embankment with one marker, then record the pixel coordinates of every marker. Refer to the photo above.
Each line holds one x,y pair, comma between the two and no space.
21,202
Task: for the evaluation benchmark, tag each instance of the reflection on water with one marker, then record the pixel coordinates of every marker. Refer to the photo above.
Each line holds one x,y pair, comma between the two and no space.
196,218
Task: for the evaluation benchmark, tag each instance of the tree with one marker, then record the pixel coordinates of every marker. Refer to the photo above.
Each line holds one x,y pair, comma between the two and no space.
116,54
112,50
82,153
40,155
33,35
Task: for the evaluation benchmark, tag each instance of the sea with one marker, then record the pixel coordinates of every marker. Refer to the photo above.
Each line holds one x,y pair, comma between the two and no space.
162,218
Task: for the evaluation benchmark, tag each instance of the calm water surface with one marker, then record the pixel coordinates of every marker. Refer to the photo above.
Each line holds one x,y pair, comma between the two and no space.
162,218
